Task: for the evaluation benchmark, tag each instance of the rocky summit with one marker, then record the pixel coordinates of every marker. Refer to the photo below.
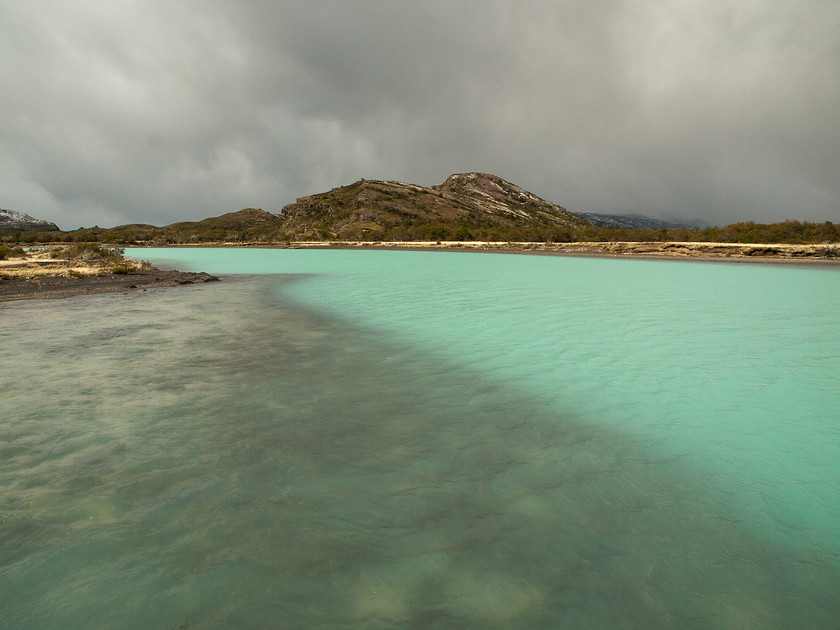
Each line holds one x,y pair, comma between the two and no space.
464,203
11,221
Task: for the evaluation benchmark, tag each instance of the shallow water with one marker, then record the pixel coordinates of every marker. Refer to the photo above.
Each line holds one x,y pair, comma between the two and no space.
408,439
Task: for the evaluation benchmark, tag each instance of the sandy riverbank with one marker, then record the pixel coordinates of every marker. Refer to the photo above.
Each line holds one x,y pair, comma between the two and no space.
37,276
48,287
701,252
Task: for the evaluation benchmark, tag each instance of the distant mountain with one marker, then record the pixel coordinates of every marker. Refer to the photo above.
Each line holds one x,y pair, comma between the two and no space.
247,224
638,221
465,201
466,206
11,221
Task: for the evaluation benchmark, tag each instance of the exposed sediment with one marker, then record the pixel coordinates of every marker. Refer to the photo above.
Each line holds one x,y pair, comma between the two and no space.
58,286
39,279
725,252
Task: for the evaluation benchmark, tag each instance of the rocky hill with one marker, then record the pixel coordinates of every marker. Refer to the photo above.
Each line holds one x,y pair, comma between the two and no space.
247,219
243,225
11,221
465,203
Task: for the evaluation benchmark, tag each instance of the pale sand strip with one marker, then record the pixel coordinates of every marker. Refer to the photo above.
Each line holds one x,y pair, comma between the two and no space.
724,252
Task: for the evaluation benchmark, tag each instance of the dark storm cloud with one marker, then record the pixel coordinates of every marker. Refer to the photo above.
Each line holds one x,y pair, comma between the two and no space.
158,111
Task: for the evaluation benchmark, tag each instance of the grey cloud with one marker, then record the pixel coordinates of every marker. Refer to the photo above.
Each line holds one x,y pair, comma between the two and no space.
157,112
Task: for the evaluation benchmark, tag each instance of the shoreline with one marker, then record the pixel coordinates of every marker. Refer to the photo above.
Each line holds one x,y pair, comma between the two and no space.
50,285
47,287
579,250
827,255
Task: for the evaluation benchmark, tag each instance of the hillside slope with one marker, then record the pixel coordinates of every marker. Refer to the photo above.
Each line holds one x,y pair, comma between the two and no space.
464,203
11,221
247,219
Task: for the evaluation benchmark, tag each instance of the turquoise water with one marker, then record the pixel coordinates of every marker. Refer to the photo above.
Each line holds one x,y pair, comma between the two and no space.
425,439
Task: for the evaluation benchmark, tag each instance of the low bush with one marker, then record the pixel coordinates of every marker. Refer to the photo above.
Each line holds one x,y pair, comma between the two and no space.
11,252
90,253
124,267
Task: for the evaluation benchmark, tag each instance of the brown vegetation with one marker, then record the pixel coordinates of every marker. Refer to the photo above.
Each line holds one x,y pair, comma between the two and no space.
75,260
466,207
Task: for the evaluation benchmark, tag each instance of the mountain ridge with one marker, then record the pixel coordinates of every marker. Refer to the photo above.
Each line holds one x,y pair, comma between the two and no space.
464,202
465,207
637,221
11,221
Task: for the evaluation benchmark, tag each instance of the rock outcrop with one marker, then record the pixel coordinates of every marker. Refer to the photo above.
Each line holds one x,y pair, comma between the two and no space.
466,200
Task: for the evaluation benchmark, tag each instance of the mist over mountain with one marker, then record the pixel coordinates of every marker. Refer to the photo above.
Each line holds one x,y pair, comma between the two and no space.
470,206
639,221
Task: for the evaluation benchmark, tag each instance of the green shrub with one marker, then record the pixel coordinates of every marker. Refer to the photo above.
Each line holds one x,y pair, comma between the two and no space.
89,252
123,267
11,252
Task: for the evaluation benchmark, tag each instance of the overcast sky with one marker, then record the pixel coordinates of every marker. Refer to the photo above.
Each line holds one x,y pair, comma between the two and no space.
159,111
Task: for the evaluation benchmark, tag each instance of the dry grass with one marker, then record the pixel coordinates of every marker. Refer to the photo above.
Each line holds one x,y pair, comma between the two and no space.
54,261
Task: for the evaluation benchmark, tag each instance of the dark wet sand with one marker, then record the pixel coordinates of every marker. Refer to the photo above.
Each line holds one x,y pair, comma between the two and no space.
50,287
